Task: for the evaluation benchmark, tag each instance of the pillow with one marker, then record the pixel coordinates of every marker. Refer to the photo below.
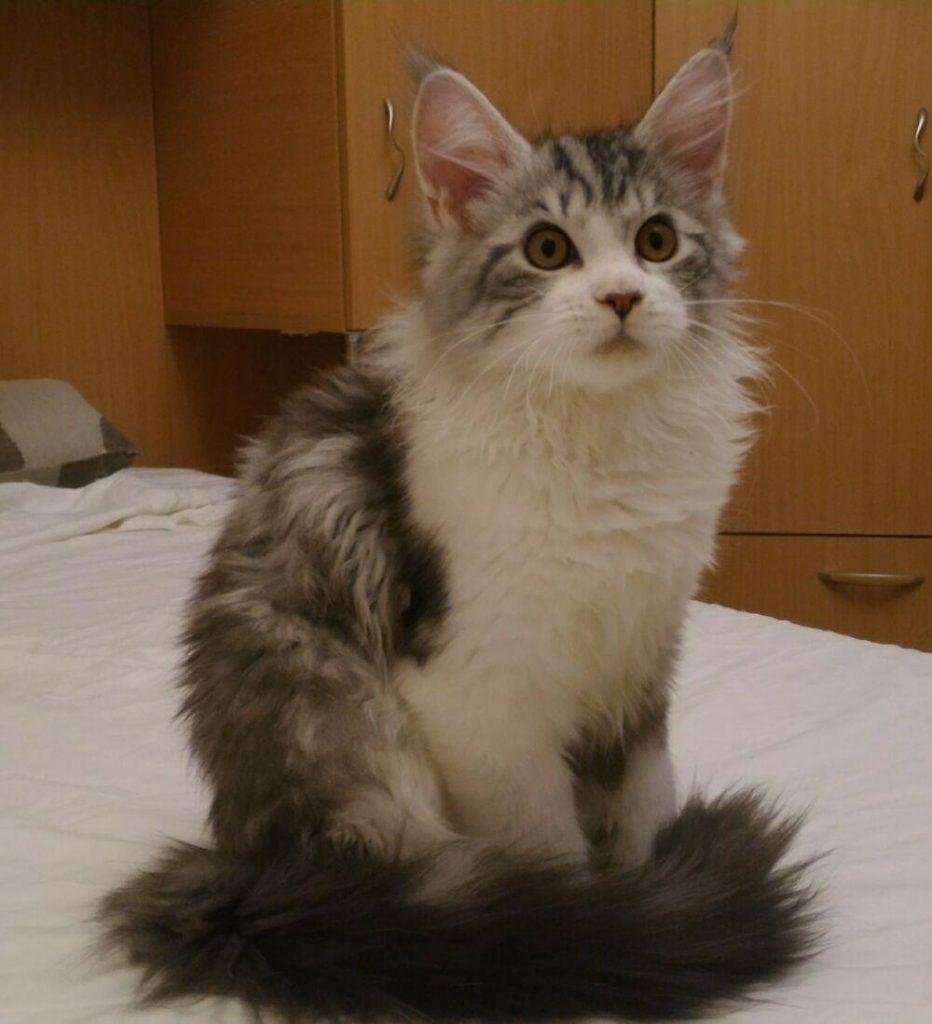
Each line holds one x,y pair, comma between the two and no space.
50,435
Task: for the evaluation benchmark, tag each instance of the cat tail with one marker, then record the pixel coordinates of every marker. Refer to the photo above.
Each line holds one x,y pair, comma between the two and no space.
712,914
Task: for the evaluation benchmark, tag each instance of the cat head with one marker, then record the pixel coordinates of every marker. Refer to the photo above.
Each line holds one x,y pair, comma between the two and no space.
590,257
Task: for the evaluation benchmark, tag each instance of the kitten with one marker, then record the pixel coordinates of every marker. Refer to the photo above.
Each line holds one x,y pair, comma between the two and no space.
429,665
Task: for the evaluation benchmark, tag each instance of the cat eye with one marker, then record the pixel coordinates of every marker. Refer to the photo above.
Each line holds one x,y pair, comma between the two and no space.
547,247
656,240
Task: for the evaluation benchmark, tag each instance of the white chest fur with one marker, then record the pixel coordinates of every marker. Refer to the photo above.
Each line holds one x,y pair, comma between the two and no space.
573,529
557,591
570,551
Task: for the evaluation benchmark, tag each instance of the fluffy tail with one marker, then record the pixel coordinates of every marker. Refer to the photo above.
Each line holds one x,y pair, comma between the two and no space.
712,914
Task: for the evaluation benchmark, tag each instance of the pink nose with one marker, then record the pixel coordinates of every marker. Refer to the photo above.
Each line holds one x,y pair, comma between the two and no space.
621,302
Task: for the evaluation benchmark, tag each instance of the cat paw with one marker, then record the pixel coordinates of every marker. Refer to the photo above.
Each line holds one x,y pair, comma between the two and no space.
358,841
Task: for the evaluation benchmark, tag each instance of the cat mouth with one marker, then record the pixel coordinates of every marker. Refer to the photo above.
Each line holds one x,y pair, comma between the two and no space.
620,341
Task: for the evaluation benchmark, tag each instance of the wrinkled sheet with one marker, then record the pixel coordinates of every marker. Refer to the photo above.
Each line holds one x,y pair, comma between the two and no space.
32,515
94,774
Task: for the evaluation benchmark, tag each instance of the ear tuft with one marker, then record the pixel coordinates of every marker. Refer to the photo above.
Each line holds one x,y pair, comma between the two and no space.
461,143
420,63
688,122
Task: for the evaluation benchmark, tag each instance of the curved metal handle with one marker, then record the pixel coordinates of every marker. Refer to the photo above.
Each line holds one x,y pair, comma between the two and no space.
391,189
921,157
873,579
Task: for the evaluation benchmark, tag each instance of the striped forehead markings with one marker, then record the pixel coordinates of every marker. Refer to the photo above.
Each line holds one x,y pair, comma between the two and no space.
610,159
563,162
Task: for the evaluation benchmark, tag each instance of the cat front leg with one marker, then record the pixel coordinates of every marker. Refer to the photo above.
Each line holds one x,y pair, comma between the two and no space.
530,808
517,795
625,791
522,802
646,801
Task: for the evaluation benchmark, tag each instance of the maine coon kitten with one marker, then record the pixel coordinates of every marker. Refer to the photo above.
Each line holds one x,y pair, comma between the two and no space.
429,665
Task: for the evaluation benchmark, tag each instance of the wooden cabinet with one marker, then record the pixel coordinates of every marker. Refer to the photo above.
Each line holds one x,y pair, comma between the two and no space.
810,580
80,288
823,175
249,177
273,153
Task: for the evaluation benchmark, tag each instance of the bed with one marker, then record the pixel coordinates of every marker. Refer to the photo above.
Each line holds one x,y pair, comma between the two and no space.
95,774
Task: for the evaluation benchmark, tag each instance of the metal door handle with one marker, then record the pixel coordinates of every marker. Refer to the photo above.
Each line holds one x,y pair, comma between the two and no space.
873,579
391,189
921,157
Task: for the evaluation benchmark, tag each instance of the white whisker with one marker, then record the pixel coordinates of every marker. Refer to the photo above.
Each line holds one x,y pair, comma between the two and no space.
812,313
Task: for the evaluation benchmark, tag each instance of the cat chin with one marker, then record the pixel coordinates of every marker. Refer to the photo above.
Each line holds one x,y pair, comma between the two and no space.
600,374
615,363
598,370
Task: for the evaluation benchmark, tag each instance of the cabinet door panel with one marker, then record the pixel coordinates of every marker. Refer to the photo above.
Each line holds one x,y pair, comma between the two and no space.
822,178
548,65
779,576
248,163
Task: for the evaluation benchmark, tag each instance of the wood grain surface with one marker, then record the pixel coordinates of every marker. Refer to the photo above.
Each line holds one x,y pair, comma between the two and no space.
80,290
248,160
779,576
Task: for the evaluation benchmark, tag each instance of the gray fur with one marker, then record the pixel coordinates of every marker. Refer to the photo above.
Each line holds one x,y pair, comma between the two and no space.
316,585
598,759
598,755
710,914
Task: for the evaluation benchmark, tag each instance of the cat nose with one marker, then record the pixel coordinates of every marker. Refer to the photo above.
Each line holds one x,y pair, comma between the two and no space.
621,302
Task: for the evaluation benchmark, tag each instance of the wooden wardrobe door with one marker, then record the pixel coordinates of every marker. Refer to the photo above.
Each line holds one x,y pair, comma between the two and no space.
822,176
249,164
550,65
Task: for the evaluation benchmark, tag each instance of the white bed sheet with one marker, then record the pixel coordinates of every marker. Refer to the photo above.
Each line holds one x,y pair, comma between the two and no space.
94,770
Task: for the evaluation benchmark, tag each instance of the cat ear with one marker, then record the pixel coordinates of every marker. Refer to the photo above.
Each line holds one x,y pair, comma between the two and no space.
462,144
688,122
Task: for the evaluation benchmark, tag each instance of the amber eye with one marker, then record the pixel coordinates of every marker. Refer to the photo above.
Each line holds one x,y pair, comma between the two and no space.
656,240
548,248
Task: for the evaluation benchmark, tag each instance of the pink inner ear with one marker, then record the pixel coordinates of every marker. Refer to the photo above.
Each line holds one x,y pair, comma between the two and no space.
450,180
461,142
700,145
689,120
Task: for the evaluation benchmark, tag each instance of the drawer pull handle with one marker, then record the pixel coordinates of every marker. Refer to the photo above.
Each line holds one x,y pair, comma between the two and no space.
873,579
391,189
921,156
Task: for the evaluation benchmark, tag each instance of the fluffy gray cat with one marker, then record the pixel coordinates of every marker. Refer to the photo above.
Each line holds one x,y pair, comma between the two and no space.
428,667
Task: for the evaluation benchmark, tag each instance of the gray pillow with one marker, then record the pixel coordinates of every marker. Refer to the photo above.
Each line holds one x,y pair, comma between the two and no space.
50,435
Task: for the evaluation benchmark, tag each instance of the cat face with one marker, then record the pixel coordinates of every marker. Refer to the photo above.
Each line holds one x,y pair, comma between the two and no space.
577,259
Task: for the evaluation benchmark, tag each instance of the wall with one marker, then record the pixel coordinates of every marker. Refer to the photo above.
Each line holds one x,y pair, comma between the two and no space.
80,288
